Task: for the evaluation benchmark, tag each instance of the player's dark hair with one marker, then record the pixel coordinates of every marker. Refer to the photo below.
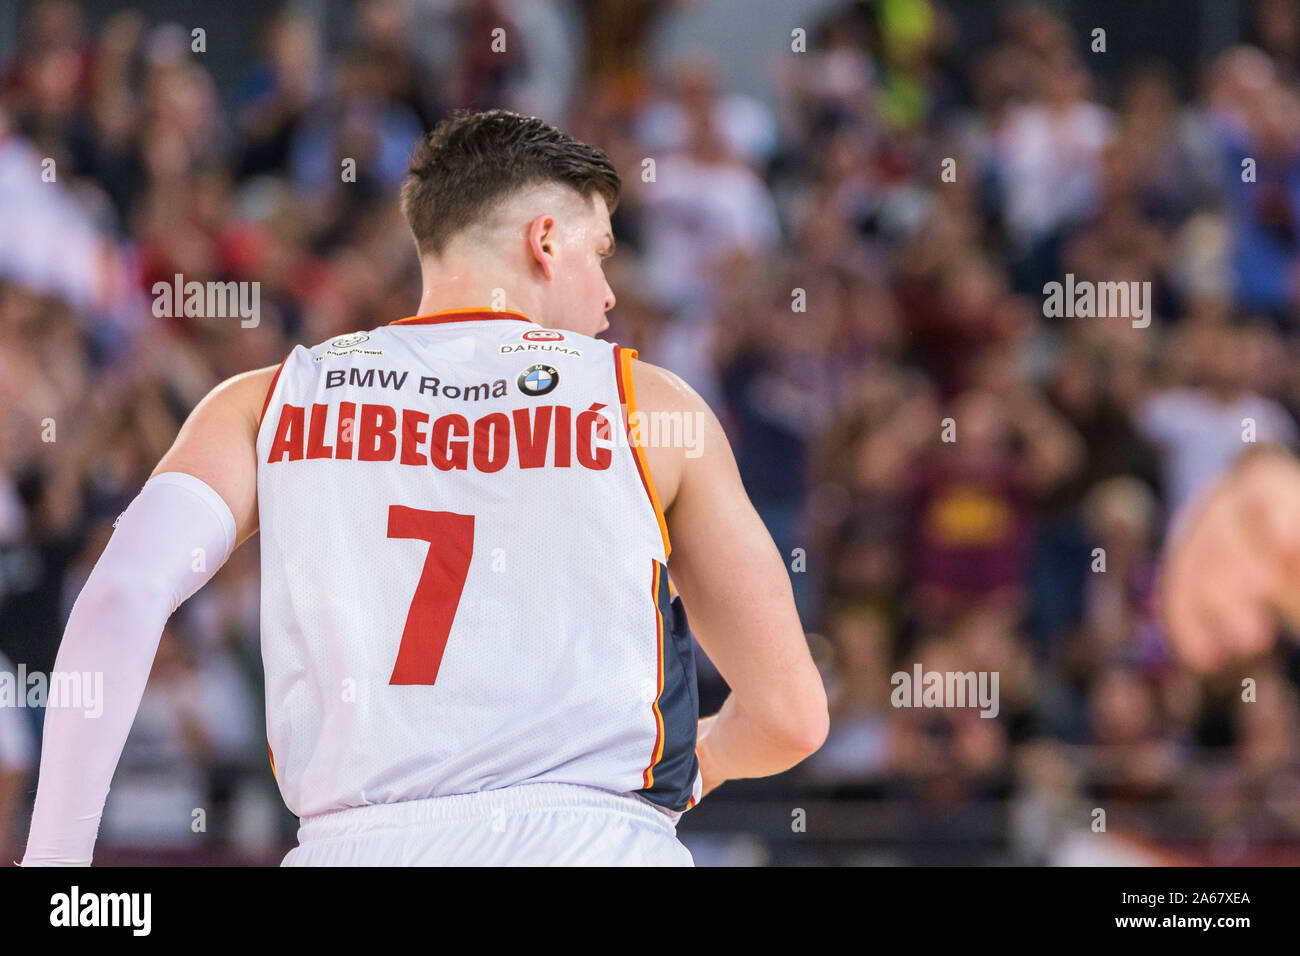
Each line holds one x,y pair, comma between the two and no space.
473,160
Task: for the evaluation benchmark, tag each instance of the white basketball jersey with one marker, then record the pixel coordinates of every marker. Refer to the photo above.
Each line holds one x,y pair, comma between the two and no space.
464,577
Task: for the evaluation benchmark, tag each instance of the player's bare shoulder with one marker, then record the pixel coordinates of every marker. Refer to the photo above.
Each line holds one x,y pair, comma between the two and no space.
248,391
218,443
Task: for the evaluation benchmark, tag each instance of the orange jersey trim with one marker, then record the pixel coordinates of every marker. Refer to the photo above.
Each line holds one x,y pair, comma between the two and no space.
627,398
691,802
648,776
462,315
270,756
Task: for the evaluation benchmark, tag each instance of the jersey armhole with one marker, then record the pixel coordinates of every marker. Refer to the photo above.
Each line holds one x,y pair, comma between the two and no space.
627,399
275,379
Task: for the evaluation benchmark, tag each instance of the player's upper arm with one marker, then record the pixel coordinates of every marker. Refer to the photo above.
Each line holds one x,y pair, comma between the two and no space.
731,577
217,444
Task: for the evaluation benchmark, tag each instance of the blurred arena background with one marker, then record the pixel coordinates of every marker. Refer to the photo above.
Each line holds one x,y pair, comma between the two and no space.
775,170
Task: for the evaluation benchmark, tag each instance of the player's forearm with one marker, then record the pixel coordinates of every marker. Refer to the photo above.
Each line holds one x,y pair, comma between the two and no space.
733,745
168,543
99,678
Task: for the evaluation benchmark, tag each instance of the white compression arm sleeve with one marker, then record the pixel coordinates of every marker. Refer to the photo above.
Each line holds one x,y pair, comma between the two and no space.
172,538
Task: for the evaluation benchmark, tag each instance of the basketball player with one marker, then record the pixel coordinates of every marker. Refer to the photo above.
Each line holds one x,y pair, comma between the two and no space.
1232,566
473,651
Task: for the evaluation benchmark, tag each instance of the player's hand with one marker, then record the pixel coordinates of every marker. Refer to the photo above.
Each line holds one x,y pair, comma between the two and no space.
710,776
1232,568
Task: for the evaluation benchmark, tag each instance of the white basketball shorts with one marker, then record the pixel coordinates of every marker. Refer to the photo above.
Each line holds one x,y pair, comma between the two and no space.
531,824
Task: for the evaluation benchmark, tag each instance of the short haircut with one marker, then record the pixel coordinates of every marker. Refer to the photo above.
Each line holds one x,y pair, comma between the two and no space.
474,160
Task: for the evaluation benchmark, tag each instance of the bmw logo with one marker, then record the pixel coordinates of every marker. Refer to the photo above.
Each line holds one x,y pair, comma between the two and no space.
543,335
538,379
356,338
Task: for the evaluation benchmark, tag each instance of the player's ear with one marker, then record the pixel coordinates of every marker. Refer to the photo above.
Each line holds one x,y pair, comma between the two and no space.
541,242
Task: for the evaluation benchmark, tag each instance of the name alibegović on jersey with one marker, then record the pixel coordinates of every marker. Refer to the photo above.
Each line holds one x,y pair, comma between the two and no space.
533,436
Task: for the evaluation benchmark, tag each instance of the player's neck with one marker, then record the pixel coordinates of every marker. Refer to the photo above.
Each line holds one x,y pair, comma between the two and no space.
455,286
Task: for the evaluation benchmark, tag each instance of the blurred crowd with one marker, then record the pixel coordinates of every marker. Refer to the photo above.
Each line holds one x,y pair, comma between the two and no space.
854,278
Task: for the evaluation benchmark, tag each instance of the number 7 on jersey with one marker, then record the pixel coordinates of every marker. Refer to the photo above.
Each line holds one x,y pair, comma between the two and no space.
442,580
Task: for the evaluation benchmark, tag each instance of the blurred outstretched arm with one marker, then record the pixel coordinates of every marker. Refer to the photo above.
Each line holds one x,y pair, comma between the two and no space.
1232,564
